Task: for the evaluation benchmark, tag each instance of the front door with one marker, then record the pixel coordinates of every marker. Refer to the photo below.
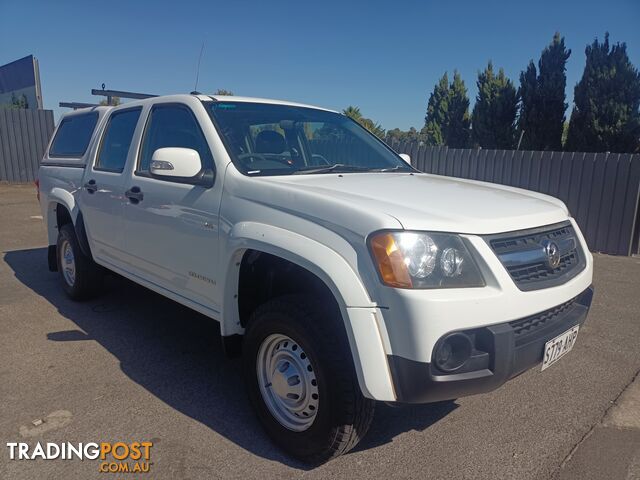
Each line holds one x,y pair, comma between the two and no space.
172,227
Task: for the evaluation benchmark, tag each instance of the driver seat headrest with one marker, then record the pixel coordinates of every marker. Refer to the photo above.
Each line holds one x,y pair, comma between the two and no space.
270,141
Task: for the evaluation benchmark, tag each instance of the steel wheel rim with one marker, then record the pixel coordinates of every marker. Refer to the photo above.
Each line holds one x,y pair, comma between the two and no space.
287,382
68,263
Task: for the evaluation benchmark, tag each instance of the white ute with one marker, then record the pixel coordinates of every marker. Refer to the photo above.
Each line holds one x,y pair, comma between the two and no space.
340,273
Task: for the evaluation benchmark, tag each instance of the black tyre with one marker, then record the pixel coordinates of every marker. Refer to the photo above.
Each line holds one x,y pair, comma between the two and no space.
81,277
301,379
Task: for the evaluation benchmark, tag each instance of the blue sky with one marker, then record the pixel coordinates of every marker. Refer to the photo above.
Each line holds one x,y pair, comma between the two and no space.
384,57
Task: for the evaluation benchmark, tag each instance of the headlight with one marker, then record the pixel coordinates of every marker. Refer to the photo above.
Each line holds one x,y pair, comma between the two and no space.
424,260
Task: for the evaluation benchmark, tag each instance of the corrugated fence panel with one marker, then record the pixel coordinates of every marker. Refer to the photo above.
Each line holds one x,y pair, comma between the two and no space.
601,190
13,168
490,166
595,199
24,135
4,148
536,171
630,221
617,210
607,199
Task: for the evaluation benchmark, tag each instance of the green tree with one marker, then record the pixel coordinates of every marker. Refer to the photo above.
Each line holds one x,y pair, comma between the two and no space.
114,101
411,135
395,135
529,118
447,120
372,126
437,111
606,114
20,102
352,112
542,98
552,82
494,114
565,133
222,91
457,132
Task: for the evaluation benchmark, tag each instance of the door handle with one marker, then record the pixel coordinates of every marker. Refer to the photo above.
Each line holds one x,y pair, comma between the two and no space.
134,195
91,186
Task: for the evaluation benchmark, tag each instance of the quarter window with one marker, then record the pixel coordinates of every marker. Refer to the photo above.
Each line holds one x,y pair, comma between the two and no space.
73,135
117,140
173,126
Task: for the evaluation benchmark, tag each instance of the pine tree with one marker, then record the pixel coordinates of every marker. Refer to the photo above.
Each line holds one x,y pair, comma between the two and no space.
494,114
529,118
606,115
542,98
437,109
552,81
457,132
447,120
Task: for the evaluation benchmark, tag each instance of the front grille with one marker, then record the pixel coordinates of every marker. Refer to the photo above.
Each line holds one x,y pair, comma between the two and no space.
536,272
525,327
523,255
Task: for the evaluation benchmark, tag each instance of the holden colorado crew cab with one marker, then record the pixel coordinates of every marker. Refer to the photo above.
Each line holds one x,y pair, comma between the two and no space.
342,275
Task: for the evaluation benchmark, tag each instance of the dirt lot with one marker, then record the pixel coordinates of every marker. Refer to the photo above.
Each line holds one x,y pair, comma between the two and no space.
132,365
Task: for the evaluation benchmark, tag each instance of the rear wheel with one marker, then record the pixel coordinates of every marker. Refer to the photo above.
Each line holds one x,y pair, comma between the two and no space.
81,277
301,379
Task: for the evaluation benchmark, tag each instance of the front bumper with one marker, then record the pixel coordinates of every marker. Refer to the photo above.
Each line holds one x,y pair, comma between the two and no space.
501,352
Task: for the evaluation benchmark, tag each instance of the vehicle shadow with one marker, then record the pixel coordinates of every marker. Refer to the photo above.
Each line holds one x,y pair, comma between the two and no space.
176,354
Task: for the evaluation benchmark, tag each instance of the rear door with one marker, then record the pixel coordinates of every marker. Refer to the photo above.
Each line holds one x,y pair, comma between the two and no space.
172,227
104,185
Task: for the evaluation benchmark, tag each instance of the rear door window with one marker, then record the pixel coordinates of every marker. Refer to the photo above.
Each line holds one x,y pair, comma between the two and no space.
116,140
73,135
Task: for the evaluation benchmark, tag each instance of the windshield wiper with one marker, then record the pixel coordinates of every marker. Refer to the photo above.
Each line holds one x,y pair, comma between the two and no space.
338,167
392,169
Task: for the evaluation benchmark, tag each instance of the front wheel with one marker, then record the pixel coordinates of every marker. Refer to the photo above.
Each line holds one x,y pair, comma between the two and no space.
301,380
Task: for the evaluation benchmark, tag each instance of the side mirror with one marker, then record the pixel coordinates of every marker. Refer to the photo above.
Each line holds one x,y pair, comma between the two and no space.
405,157
175,162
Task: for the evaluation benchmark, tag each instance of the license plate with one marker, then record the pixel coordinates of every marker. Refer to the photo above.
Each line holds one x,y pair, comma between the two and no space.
558,347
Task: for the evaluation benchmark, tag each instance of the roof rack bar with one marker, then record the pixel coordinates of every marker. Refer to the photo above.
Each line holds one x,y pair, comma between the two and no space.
76,105
121,94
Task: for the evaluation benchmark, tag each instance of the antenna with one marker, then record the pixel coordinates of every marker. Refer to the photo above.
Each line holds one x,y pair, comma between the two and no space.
198,69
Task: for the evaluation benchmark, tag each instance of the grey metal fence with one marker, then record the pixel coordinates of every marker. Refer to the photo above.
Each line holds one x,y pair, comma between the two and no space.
24,135
602,190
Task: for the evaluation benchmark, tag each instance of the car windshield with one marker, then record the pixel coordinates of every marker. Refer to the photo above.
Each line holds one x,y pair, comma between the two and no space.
268,139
